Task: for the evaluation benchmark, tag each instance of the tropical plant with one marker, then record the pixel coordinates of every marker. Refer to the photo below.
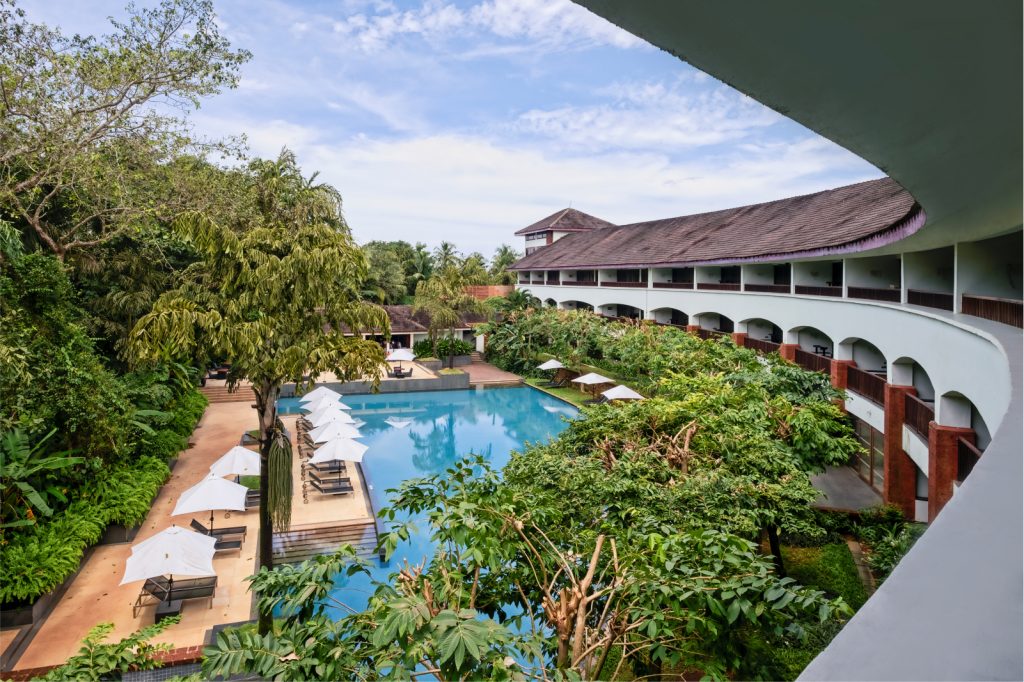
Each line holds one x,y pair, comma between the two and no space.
419,267
503,258
98,660
444,299
26,478
263,299
446,257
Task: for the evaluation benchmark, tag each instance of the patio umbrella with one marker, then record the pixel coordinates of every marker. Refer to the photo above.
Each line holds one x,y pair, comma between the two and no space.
317,393
172,551
339,448
326,409
398,423
331,430
211,494
551,364
237,460
327,416
401,355
592,379
622,393
322,402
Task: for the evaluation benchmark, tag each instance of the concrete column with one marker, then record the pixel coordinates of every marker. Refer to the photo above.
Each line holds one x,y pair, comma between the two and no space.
838,372
739,338
942,463
788,351
900,472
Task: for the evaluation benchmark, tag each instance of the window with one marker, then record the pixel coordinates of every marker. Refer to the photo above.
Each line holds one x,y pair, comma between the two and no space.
586,276
781,274
870,461
630,275
729,275
682,275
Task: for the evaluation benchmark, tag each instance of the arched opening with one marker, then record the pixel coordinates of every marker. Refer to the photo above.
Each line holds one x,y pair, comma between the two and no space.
865,355
956,409
576,305
621,310
670,316
760,329
550,302
715,322
812,340
907,372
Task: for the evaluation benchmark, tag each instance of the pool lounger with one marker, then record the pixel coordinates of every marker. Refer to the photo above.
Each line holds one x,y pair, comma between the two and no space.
220,532
156,590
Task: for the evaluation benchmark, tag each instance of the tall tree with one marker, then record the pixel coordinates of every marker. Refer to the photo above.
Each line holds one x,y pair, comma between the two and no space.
85,123
444,299
446,256
420,267
503,258
385,283
474,269
263,300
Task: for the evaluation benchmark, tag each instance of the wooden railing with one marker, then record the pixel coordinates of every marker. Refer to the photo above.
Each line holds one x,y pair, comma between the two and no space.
719,286
673,285
930,299
761,345
711,333
580,283
967,455
918,414
874,294
813,362
1005,310
634,285
867,384
552,282
818,291
537,281
767,288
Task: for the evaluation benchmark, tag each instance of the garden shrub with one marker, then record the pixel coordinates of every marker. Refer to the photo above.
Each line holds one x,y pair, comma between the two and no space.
165,444
830,568
445,346
186,411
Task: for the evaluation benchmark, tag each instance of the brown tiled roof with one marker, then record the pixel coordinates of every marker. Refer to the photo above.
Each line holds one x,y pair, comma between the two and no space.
403,321
808,225
566,220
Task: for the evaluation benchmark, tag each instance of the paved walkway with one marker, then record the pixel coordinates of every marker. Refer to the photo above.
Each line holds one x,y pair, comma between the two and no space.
95,596
843,489
484,374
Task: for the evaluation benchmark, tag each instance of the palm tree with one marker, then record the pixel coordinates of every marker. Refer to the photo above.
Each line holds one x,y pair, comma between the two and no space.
420,267
262,298
504,257
446,256
444,299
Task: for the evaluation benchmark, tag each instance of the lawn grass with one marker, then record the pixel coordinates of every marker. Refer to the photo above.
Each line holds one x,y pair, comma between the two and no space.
250,482
570,395
830,568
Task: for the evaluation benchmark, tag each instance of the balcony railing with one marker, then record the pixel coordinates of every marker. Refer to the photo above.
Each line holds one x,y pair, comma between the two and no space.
711,333
867,384
813,362
930,299
818,291
1005,310
579,283
967,455
767,288
719,286
761,345
918,414
538,281
552,282
633,285
673,285
874,294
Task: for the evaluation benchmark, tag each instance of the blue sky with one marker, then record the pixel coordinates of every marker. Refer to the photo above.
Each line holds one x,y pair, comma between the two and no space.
464,121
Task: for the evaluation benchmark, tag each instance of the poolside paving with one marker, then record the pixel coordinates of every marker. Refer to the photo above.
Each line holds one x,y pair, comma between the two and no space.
484,373
95,596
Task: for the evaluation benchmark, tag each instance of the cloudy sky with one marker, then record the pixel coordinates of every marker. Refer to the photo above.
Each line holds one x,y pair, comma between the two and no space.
466,120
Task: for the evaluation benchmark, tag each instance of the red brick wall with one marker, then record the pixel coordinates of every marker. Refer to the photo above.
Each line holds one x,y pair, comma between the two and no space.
484,291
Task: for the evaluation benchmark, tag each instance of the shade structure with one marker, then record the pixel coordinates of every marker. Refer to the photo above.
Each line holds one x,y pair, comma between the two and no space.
331,430
322,402
172,551
211,494
333,415
339,448
401,355
551,364
238,461
622,393
398,423
593,379
318,393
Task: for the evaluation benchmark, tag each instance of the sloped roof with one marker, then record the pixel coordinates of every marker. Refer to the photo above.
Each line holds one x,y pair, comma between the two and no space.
403,321
566,220
844,218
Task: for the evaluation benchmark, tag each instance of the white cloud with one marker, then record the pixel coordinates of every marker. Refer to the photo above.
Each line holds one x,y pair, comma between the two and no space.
652,116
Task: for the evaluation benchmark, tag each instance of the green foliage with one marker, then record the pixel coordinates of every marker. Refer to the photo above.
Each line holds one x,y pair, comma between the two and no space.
27,478
444,347
887,545
830,568
98,660
444,299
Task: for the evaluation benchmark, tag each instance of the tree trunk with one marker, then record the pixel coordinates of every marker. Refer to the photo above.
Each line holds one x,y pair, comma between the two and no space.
776,548
451,348
266,406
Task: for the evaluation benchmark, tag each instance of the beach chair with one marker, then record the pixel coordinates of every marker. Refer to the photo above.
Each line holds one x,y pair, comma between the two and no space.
221,532
161,589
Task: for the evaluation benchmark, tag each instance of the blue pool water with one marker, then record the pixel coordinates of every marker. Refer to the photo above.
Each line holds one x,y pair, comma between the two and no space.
446,426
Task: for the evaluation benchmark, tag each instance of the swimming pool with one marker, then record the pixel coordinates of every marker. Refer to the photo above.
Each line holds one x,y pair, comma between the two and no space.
445,426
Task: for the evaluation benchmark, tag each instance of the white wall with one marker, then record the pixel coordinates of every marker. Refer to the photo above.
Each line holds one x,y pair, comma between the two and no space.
882,272
929,270
991,267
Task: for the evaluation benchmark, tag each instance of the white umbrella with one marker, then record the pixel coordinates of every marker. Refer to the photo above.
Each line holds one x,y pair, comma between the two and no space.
172,551
211,494
237,460
328,416
324,433
325,410
551,364
322,402
622,393
398,423
401,355
592,379
317,393
339,448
